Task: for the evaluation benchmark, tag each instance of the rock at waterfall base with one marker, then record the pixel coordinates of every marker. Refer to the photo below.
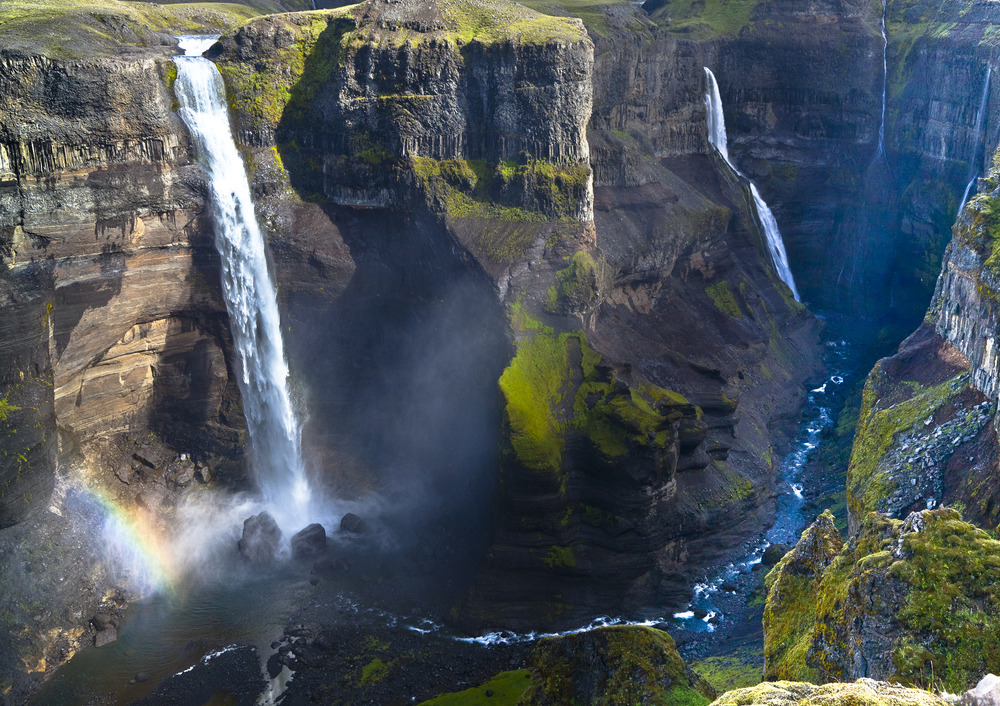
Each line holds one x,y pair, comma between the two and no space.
309,542
261,537
352,523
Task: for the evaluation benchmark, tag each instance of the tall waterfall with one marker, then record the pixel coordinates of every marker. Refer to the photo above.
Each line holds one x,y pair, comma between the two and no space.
250,295
980,138
717,137
885,77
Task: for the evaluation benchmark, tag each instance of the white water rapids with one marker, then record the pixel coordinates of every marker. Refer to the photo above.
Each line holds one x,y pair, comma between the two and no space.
717,138
248,290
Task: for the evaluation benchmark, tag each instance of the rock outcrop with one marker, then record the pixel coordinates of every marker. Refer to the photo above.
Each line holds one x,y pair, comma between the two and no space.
914,601
864,691
928,432
613,665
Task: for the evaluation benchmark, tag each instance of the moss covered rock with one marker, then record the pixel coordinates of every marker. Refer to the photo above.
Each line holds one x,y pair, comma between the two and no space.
864,692
614,665
790,613
915,601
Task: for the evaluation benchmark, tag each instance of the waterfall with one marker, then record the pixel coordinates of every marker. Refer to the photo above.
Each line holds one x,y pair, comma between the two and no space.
249,293
980,138
717,138
885,76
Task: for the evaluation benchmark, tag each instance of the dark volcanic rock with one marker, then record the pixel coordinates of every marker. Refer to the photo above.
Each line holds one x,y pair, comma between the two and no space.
310,541
261,538
352,523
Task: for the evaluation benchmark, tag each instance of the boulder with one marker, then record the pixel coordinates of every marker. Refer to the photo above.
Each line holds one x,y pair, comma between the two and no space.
261,537
309,542
985,693
352,523
106,636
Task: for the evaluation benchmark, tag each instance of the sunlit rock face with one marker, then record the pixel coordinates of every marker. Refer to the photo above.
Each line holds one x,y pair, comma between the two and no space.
117,324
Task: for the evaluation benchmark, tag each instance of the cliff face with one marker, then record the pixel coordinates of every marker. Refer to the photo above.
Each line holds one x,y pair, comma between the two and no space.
123,322
114,342
927,433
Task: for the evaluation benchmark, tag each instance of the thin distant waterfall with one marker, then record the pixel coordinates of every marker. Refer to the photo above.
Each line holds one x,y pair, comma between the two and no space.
250,295
717,137
980,139
885,77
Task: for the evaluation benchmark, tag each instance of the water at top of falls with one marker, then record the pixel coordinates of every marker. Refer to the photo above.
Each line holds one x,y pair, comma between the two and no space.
980,138
717,138
248,289
885,75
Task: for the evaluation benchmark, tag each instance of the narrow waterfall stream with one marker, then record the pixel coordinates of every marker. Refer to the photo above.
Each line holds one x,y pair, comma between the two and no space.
980,139
885,77
717,137
248,291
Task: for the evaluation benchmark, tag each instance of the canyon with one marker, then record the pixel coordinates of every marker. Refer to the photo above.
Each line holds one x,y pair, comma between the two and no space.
534,331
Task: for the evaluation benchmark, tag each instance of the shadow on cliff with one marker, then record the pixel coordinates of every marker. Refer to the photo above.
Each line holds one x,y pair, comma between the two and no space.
399,370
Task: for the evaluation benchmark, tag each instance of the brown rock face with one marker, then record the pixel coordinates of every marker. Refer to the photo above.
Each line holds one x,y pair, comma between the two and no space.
119,325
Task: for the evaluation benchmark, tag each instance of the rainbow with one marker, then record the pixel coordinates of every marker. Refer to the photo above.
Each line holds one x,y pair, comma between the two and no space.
135,543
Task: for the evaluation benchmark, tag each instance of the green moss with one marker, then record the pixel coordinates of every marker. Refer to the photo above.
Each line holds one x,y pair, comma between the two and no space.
542,405
262,90
577,286
722,296
560,557
506,198
533,386
506,688
6,408
374,672
867,484
735,670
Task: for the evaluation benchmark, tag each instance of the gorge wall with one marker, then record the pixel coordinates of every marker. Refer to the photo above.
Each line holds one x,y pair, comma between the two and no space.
525,307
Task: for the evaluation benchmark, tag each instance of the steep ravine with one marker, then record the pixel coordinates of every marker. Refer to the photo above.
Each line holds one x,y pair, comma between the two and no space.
527,314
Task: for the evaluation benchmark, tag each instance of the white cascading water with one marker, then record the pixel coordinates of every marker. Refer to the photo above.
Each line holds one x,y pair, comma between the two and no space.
717,138
247,288
885,77
974,163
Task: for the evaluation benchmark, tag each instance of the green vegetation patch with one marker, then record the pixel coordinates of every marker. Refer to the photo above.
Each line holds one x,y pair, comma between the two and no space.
577,286
722,296
506,198
261,90
867,483
491,21
790,611
73,29
735,670
555,384
505,689
705,19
